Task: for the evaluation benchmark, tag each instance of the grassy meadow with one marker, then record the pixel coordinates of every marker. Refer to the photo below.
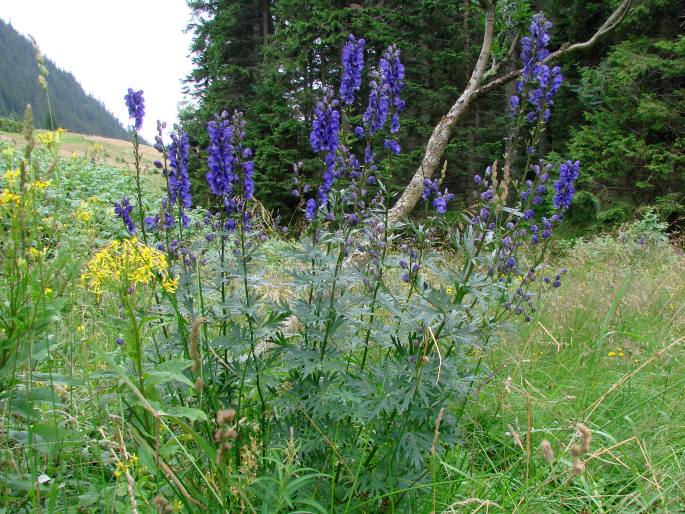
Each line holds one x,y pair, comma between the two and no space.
90,424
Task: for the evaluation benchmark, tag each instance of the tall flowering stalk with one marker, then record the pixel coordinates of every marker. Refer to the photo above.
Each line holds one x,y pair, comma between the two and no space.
179,181
230,177
136,111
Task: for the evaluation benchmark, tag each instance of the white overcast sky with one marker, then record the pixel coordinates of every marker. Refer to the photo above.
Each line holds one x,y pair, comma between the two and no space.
111,45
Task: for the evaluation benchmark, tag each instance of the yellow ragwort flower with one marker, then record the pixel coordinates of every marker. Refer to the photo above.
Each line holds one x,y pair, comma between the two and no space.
170,285
84,215
12,175
7,197
612,354
128,262
41,185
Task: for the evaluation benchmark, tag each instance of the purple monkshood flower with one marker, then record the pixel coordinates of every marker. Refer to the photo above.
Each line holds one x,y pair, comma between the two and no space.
392,145
430,187
136,107
565,188
221,159
310,210
385,89
123,210
326,126
540,82
179,181
225,153
440,201
352,66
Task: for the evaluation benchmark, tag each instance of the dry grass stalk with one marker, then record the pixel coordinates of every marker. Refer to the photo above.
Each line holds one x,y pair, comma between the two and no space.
436,434
194,349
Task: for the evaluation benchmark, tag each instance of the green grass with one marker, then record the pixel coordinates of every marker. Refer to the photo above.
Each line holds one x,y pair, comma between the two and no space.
607,351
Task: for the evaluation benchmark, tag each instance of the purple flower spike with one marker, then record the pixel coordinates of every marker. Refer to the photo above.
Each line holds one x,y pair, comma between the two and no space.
123,210
136,107
352,66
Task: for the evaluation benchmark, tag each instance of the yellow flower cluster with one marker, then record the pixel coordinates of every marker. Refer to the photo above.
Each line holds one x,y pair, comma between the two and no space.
618,353
40,185
122,467
11,176
127,262
83,213
7,197
51,139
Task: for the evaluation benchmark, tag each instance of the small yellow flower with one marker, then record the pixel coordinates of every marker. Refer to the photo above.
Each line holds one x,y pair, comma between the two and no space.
80,328
7,197
612,354
47,291
84,215
621,354
33,252
12,175
170,284
117,474
41,185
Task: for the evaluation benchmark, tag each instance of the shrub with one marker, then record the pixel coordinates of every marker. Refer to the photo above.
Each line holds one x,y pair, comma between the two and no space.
584,209
10,125
612,216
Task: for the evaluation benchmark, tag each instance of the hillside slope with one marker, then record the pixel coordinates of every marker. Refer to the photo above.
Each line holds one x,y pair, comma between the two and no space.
73,109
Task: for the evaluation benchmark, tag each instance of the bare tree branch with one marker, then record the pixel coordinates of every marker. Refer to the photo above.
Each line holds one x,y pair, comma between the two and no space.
441,134
611,23
475,88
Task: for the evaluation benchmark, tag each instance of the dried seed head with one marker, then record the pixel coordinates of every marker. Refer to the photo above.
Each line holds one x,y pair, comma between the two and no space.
436,434
578,468
230,433
226,416
493,177
585,437
199,384
576,450
162,505
547,453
